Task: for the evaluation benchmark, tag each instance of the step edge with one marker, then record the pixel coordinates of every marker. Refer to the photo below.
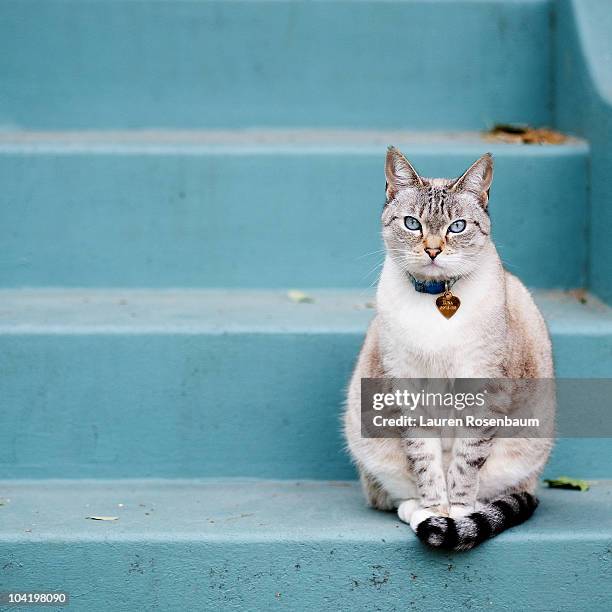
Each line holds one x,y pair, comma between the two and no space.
268,140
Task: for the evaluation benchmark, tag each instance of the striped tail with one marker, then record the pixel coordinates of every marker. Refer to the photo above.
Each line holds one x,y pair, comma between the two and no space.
467,532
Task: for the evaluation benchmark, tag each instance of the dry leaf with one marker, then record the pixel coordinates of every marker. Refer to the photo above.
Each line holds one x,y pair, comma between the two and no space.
525,134
103,518
299,297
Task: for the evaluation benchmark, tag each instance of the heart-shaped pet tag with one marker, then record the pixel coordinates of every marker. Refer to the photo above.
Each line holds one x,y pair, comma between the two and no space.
448,304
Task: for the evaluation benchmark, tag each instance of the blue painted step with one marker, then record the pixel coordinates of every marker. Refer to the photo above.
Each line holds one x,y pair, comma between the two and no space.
115,383
159,63
261,209
265,545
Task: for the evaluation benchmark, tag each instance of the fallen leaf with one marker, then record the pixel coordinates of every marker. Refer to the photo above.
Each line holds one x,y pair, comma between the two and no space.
103,518
544,136
563,482
525,134
299,297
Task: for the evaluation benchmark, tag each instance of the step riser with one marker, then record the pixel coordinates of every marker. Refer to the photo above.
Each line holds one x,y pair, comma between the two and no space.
310,575
75,64
261,405
263,216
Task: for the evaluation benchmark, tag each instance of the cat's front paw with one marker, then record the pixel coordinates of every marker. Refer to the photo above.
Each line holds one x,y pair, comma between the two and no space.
422,514
406,509
439,510
458,511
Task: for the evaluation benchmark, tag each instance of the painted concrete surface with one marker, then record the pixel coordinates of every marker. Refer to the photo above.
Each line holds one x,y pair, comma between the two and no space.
262,210
240,544
282,63
212,383
583,84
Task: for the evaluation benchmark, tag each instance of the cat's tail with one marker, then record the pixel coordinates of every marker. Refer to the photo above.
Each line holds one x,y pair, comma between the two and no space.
469,531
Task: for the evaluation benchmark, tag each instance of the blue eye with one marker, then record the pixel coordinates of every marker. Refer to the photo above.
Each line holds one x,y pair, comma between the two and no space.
456,226
412,224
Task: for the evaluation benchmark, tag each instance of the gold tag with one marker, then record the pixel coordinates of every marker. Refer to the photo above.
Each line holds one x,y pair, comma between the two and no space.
448,304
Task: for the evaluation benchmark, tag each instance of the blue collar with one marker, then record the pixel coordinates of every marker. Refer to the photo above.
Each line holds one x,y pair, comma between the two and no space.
433,287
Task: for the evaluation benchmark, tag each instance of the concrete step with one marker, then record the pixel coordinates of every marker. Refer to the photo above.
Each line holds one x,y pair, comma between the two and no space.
114,383
158,63
305,545
261,208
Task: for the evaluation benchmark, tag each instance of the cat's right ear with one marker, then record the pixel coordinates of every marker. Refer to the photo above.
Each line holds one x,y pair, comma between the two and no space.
399,173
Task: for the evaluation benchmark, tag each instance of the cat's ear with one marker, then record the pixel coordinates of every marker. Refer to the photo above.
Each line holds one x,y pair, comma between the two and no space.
399,173
477,179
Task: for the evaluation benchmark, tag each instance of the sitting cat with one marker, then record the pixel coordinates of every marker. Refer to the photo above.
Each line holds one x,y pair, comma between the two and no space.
454,493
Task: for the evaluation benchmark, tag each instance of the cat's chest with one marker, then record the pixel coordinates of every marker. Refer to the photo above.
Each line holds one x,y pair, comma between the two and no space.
418,341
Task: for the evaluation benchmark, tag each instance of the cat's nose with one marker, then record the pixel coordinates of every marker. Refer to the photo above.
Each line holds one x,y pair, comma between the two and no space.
433,253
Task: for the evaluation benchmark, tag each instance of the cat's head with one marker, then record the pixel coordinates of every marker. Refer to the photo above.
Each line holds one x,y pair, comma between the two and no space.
436,228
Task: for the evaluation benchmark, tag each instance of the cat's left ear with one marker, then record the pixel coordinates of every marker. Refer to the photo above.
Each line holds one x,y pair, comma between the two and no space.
477,179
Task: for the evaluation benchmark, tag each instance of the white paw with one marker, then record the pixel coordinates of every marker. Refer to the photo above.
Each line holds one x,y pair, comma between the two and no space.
406,509
457,512
418,516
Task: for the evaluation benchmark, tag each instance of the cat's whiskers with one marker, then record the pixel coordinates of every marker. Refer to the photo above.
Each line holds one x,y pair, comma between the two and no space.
375,281
377,252
374,269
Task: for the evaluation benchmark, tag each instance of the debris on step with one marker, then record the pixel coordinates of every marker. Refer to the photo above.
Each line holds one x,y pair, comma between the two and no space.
364,306
579,294
299,297
103,518
564,482
524,134
241,516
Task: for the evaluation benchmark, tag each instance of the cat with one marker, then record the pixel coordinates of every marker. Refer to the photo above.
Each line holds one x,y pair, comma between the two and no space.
453,493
